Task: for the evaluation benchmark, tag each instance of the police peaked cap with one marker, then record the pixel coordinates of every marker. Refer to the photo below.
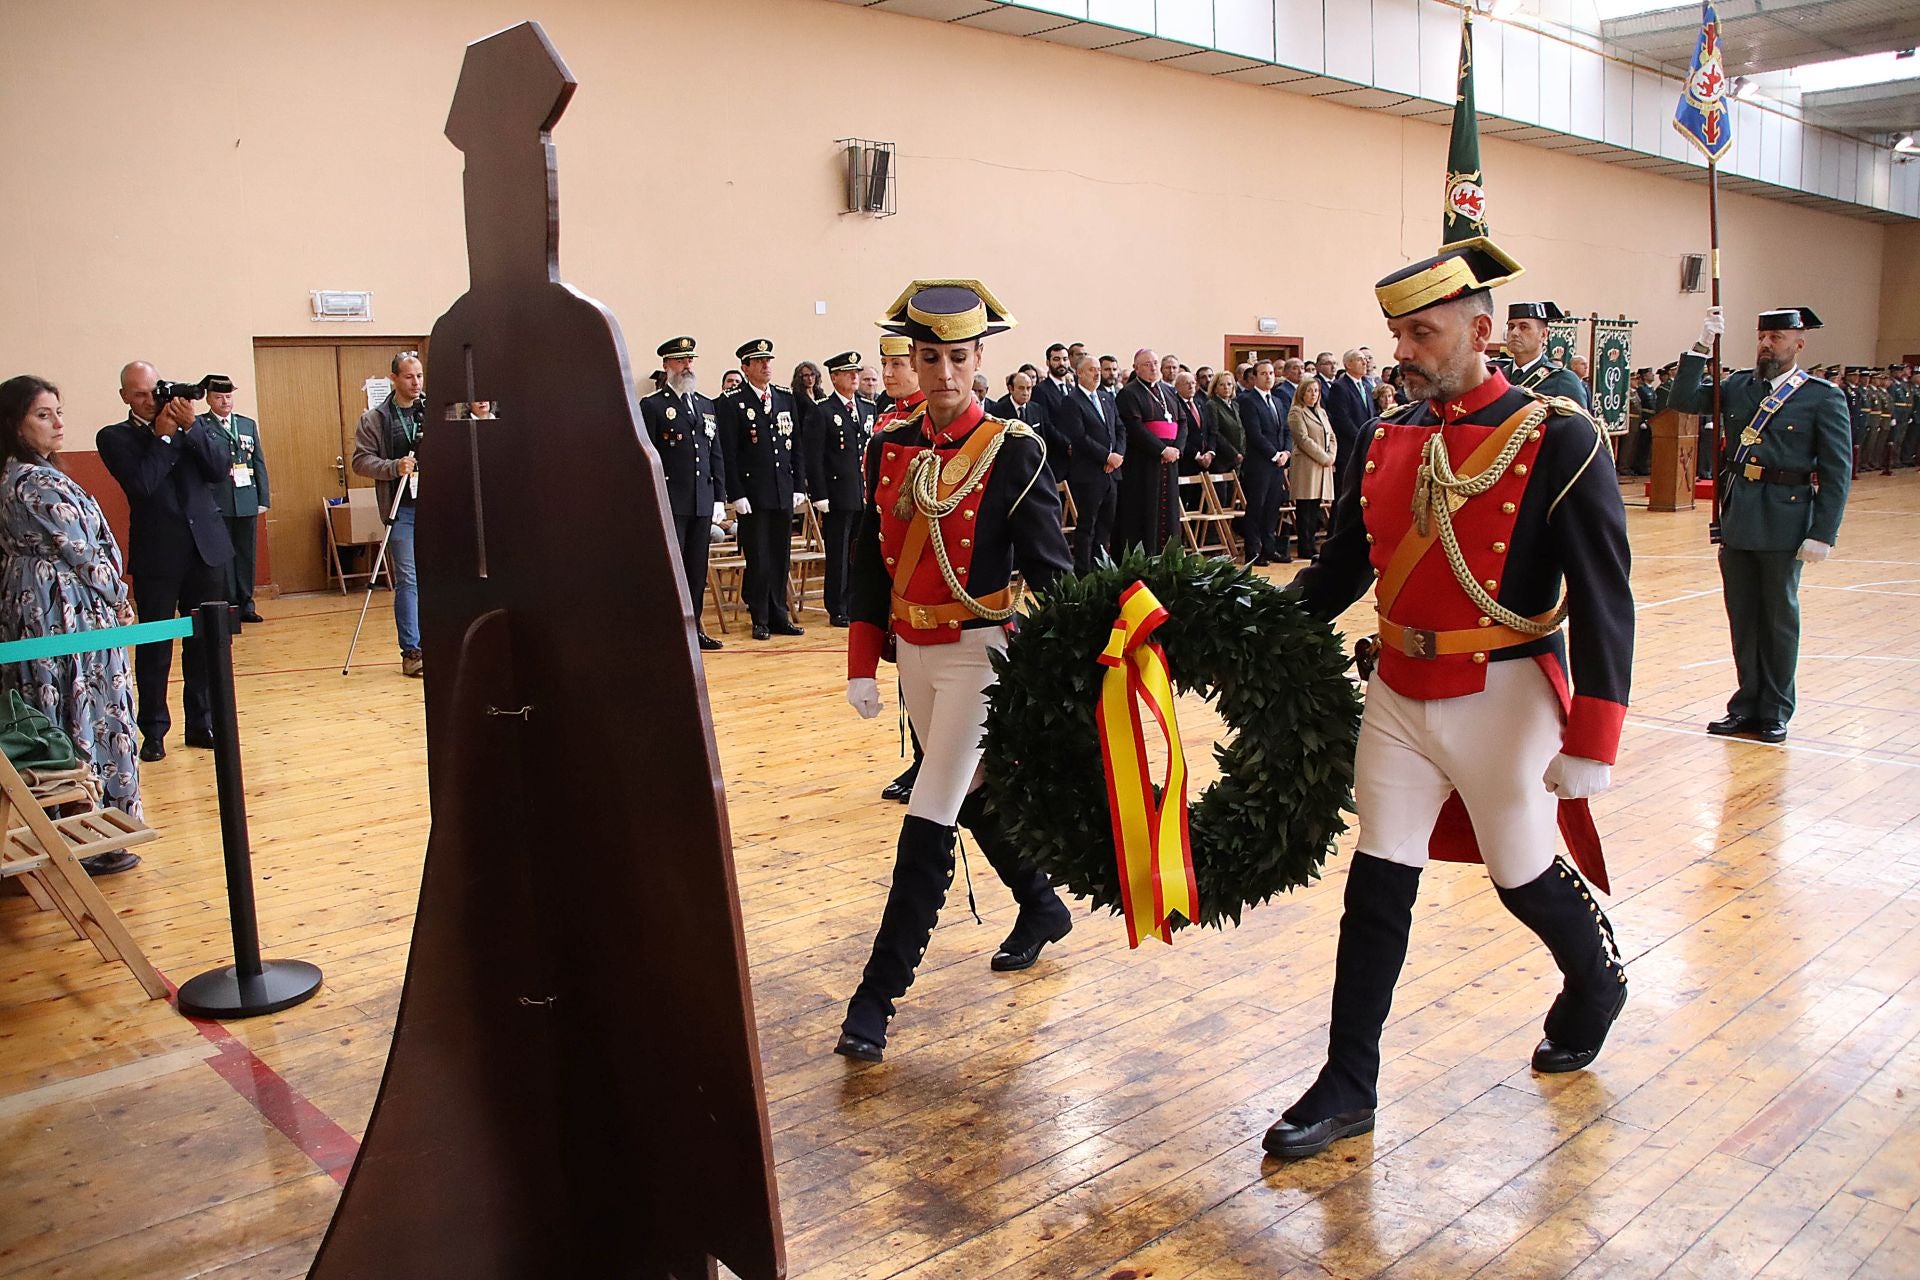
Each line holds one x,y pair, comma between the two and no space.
1789,318
1457,271
757,349
845,362
674,348
946,311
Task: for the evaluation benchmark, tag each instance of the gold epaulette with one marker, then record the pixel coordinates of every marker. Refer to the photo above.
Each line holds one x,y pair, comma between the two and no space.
911,420
1398,409
1565,406
1015,427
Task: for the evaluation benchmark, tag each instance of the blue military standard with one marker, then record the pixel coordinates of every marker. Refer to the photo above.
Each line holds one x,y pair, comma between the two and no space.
1788,464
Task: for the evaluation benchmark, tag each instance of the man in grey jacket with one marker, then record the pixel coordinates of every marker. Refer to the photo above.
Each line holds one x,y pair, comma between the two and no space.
383,450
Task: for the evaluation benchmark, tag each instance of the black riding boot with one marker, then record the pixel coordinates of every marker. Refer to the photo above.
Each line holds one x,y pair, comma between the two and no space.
922,870
1373,946
1559,907
1043,917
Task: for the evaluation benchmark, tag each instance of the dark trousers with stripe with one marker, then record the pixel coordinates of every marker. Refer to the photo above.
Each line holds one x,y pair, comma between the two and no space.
1762,593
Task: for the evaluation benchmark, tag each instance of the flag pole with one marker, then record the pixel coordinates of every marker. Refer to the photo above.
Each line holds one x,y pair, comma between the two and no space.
1717,441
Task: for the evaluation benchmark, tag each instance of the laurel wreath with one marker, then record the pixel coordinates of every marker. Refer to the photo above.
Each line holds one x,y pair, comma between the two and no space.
1278,678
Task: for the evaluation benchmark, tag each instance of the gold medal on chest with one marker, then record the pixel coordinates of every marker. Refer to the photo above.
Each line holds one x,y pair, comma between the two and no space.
955,471
672,413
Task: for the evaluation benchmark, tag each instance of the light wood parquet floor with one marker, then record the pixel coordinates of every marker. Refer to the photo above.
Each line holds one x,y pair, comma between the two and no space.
1099,1116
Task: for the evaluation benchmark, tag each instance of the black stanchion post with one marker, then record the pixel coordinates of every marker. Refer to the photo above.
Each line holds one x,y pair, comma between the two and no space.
249,986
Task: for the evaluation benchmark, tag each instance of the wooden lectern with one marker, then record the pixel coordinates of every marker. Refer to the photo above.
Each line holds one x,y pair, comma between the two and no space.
1676,456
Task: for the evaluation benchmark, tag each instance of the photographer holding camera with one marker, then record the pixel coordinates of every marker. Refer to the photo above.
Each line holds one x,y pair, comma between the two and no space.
178,548
383,451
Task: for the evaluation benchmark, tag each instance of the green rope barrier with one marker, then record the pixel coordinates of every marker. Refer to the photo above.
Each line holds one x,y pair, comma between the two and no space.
87,641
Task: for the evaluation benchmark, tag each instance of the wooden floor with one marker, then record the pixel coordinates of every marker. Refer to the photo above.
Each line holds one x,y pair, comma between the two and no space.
1099,1116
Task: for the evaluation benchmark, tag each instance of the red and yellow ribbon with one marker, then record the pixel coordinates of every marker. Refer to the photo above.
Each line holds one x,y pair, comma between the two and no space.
1150,837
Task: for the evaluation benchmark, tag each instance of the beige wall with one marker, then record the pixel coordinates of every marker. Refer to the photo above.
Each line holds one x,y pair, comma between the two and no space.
1103,199
1900,297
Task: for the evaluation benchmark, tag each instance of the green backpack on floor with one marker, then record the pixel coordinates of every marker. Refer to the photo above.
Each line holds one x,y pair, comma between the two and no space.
32,741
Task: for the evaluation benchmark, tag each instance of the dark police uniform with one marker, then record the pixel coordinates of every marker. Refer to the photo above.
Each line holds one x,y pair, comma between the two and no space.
686,435
945,620
760,443
1788,484
241,497
1474,701
836,439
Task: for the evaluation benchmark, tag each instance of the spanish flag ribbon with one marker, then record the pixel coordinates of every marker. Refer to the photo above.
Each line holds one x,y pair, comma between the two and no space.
1150,837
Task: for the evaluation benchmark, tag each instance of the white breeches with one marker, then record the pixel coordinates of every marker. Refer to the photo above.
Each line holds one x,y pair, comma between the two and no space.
945,687
1492,747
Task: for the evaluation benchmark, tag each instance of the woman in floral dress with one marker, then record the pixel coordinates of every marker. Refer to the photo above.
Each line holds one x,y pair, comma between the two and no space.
62,574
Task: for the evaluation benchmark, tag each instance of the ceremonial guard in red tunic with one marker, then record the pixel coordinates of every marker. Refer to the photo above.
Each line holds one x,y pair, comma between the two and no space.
899,397
958,501
1473,507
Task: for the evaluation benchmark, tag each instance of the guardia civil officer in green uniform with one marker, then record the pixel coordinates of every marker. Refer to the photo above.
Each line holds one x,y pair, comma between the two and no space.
242,496
1789,461
1904,403
1527,364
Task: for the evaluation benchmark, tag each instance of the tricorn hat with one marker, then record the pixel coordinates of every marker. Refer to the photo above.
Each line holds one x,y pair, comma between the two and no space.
845,362
756,349
1789,318
1457,271
946,311
1535,311
219,382
674,348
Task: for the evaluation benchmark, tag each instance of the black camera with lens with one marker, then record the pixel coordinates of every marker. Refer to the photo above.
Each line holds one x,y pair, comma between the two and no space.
164,392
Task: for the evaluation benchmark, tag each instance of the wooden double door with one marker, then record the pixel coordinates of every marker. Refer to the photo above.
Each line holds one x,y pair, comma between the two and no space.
311,393
1250,348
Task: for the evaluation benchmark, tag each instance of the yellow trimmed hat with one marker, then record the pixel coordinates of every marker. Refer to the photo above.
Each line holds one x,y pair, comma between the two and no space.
895,344
845,362
1458,271
946,311
675,347
757,349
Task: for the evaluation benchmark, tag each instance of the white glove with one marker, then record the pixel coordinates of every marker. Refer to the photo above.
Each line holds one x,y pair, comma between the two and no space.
821,506
864,696
741,507
719,513
1712,327
1812,552
799,501
1576,777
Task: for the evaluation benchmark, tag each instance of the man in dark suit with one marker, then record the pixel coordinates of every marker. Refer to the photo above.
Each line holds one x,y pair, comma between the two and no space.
766,483
1089,422
168,462
1022,403
243,496
1349,409
838,429
1056,385
685,431
1263,475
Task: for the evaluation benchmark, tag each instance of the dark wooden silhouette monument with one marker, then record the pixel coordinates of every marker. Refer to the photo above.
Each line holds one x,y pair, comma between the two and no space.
574,1086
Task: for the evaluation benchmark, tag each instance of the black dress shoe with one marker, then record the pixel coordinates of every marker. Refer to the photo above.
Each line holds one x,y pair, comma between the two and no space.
201,738
1259,562
1012,959
111,863
898,790
786,629
1285,557
1768,730
838,620
1287,1141
251,615
1729,726
1554,1059
853,1046
153,749
708,644
761,633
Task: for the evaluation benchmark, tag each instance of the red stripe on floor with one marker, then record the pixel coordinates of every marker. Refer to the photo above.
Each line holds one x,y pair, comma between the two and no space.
284,1107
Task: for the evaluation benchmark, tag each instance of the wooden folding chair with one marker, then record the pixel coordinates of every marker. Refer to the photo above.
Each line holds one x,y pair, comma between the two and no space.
1069,514
45,852
1206,529
807,559
1233,506
725,565
336,568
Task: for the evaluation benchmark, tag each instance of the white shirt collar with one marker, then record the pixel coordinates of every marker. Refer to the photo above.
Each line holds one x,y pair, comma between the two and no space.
1780,381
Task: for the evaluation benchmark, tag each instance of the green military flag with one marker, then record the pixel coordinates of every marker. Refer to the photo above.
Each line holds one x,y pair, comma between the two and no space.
1466,208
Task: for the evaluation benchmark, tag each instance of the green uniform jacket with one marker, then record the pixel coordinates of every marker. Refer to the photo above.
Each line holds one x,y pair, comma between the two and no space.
1810,433
244,500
